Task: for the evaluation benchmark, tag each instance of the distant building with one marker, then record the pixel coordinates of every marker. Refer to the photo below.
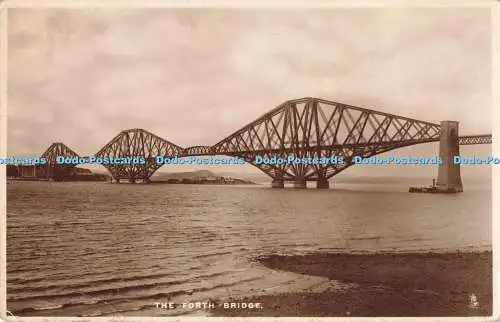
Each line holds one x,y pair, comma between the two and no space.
80,171
31,172
23,171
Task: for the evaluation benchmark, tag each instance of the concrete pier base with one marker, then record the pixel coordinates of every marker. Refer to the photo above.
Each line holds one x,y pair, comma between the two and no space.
300,184
449,179
323,184
276,183
117,181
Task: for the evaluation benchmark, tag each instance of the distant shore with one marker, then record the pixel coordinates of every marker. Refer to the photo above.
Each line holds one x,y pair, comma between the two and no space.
69,179
195,182
423,284
221,181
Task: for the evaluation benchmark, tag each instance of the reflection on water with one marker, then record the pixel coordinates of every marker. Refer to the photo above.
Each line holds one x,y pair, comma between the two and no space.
103,249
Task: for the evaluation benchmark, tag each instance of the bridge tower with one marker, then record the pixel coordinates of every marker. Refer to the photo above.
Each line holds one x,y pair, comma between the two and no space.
52,170
449,178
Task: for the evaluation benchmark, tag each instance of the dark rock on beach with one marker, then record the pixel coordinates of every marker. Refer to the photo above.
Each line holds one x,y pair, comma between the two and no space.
423,284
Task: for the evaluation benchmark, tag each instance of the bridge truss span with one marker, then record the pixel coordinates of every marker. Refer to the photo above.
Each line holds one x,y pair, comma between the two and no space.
198,150
52,168
475,139
317,128
137,143
305,128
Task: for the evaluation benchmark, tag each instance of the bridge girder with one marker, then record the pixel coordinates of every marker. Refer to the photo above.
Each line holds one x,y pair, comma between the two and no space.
475,139
52,169
137,143
306,127
198,150
311,127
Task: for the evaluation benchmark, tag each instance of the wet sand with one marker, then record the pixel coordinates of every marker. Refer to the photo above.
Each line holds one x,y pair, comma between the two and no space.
424,284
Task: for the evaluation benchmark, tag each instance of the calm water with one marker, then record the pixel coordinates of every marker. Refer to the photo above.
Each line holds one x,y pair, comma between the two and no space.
103,249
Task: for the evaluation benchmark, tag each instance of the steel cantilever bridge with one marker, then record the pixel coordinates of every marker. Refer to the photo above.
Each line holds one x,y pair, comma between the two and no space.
306,127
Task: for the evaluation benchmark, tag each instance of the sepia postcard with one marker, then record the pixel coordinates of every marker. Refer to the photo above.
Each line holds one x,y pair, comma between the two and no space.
166,160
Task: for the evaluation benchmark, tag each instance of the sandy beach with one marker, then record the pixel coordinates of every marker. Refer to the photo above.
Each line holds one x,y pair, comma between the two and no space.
423,284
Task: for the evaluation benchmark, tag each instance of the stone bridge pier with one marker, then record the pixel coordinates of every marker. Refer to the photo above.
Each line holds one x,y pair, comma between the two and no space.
278,183
322,183
299,182
449,178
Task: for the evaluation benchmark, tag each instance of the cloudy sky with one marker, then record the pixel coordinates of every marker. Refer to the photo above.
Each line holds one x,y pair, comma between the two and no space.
193,76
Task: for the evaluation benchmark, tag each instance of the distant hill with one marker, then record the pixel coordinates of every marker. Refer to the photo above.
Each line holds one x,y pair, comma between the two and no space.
197,177
255,177
183,175
160,176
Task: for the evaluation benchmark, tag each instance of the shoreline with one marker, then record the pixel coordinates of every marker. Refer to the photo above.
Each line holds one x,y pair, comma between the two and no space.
236,183
379,284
